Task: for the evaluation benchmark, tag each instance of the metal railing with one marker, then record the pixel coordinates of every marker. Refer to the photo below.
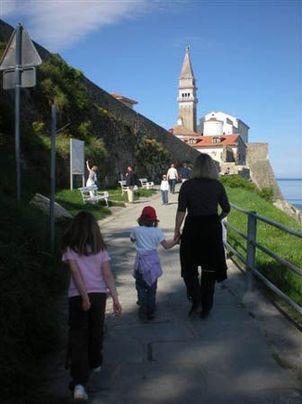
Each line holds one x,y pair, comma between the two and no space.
251,246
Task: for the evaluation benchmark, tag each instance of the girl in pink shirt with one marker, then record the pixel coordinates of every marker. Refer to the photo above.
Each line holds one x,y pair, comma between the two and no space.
85,252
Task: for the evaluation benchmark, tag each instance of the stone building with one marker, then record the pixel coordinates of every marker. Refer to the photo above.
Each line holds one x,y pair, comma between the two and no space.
224,149
220,123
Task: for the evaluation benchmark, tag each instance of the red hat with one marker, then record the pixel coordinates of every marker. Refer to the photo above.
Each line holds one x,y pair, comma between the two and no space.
149,213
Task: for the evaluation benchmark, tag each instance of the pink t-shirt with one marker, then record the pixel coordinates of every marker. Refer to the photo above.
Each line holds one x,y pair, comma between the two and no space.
90,267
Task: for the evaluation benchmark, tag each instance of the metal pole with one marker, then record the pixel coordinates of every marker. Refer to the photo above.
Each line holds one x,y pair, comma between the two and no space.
251,248
52,175
17,107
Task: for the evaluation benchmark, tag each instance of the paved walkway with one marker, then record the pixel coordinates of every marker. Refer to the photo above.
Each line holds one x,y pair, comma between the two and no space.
173,359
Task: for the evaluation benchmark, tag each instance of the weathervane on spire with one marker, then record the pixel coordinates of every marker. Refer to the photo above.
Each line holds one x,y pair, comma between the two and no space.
188,48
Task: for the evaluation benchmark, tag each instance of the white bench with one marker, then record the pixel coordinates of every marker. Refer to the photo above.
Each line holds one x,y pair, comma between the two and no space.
124,187
146,184
93,195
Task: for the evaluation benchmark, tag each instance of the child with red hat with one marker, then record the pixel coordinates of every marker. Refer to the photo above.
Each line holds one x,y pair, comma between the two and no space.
147,269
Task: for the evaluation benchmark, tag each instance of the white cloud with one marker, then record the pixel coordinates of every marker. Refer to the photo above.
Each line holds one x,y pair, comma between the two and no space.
59,24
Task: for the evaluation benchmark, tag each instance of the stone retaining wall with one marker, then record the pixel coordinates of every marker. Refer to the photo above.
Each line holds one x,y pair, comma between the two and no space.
260,167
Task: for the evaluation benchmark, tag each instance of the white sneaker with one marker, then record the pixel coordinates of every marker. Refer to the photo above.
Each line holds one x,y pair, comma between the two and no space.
79,393
97,369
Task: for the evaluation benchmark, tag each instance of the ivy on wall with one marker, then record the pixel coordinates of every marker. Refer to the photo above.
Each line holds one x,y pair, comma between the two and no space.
152,158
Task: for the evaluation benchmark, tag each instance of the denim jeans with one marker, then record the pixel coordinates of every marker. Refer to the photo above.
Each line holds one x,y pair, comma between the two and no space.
164,197
172,184
146,294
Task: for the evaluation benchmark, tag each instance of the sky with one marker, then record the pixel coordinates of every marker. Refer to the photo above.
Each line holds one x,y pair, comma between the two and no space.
246,56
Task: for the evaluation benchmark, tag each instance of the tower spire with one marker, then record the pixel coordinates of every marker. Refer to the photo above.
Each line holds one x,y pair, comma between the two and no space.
187,71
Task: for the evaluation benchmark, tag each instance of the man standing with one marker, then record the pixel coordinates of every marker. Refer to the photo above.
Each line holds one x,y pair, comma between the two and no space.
185,172
172,176
130,183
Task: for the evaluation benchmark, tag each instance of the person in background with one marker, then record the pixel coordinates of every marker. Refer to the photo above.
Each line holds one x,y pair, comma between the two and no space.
164,190
147,269
184,173
92,177
131,181
201,239
172,176
85,253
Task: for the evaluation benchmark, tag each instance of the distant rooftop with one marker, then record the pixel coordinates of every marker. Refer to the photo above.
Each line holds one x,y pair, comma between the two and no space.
124,99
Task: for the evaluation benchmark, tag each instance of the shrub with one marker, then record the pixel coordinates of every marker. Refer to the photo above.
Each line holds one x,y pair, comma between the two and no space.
95,150
84,129
152,158
63,144
266,193
38,127
236,181
64,85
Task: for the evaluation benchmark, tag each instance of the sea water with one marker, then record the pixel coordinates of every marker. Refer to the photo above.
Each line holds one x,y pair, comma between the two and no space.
291,189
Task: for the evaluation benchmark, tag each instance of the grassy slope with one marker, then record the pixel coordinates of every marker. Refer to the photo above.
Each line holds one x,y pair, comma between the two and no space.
285,245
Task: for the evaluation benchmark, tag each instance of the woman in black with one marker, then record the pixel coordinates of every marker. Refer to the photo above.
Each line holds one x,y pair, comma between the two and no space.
201,239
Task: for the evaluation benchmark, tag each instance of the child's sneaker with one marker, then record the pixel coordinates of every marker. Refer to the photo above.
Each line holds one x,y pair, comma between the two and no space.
79,394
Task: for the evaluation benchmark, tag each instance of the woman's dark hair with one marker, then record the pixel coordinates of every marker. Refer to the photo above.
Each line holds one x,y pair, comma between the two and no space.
83,235
143,221
205,167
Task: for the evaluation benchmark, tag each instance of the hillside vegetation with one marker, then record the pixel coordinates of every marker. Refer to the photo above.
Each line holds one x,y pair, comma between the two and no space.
245,195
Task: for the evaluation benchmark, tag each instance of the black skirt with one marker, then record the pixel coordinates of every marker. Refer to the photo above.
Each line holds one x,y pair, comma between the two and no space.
202,245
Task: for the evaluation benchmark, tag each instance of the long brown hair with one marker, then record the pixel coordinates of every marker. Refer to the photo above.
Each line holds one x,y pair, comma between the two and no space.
83,235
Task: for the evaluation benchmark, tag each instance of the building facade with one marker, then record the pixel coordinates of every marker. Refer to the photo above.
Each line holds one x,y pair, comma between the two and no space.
220,123
224,149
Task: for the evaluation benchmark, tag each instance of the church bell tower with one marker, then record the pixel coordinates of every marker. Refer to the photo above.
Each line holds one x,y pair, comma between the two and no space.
187,99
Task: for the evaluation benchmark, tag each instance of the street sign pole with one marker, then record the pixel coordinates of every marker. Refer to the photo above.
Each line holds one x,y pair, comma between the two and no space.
52,175
18,65
17,108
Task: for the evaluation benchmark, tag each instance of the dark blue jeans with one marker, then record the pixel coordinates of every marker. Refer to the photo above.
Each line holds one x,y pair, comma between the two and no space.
146,294
172,184
164,197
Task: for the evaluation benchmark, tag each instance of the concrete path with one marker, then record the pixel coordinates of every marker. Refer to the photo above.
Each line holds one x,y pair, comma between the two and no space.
173,359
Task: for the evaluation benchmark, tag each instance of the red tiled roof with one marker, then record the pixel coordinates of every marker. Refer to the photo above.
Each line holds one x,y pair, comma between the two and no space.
180,130
122,98
226,140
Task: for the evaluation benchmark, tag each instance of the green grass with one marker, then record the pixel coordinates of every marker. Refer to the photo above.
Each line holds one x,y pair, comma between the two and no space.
283,244
72,201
